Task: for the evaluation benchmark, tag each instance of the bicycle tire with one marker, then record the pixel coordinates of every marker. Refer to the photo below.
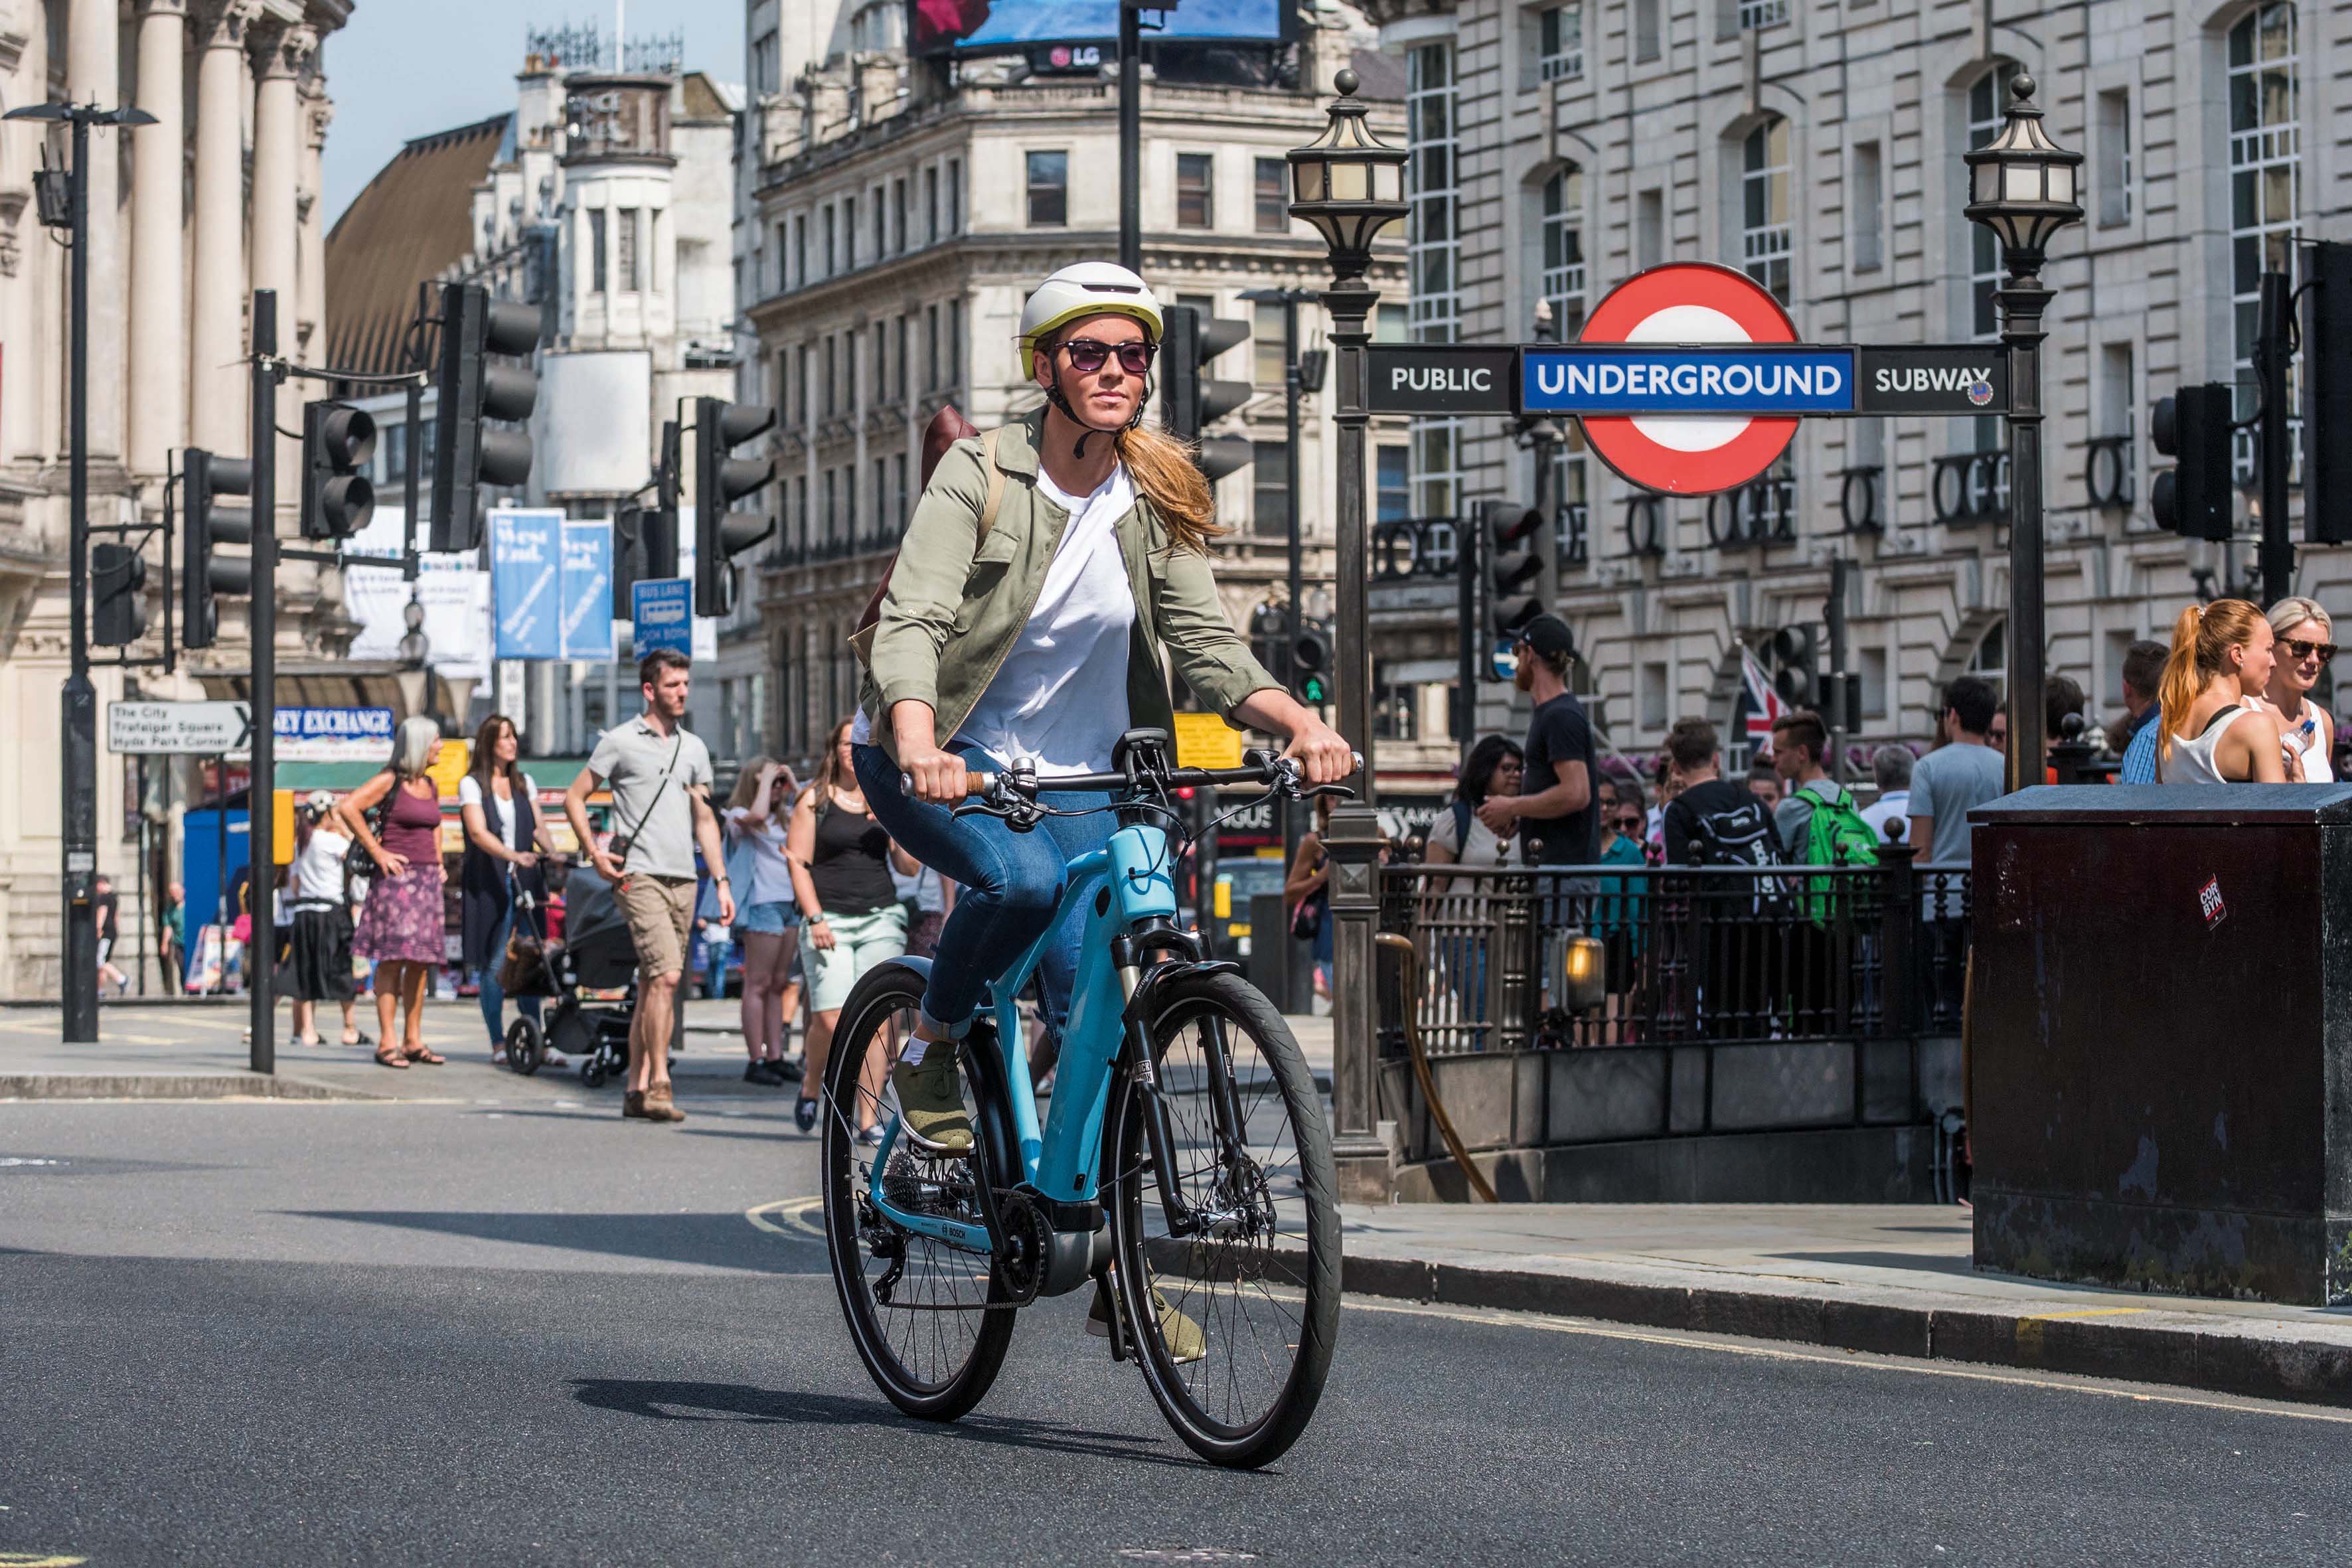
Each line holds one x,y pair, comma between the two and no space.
1311,1269
939,1392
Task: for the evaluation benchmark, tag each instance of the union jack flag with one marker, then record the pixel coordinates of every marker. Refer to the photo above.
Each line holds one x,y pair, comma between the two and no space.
1760,705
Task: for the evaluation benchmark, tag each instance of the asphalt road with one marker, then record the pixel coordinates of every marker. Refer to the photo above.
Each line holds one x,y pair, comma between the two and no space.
473,1332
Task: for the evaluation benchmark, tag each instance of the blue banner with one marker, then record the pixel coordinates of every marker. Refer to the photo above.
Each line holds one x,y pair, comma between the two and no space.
526,590
587,583
1729,381
663,611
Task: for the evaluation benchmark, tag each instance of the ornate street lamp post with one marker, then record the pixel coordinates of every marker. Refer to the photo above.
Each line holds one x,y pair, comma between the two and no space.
2021,185
1349,184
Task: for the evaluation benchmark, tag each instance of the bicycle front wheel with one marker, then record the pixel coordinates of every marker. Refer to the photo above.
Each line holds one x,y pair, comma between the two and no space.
930,1322
1254,1286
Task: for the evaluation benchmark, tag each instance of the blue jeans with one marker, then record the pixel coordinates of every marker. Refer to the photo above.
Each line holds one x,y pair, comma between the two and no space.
493,1000
1008,885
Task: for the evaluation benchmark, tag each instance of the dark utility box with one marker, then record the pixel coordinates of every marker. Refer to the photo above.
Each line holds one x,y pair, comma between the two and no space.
2161,1045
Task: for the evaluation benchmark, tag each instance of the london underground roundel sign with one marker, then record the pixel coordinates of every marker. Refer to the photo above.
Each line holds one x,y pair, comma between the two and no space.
1688,302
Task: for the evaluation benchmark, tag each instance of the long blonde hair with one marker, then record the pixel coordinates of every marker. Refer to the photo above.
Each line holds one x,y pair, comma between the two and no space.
2201,640
1161,465
747,783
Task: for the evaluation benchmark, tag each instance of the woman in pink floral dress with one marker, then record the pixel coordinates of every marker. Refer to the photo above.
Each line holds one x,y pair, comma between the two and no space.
401,925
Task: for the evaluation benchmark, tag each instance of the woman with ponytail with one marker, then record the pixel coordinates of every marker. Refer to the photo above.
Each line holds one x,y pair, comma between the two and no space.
2216,730
1047,566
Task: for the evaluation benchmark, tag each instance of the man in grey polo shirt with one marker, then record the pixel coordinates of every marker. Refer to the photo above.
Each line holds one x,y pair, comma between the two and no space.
660,779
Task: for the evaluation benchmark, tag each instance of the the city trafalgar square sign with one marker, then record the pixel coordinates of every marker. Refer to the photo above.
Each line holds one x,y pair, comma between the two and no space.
1688,379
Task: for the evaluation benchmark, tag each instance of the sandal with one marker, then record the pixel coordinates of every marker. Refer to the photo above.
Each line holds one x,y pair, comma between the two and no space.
389,1057
426,1054
309,1042
358,1037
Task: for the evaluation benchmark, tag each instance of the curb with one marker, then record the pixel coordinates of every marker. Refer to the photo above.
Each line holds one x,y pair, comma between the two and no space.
172,1085
2258,1366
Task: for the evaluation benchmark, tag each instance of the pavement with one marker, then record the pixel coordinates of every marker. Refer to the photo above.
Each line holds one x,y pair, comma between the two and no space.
454,1332
1884,1279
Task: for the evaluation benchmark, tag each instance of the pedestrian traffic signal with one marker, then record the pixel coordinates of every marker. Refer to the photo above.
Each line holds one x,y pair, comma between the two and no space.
2328,393
1191,399
720,481
338,442
473,390
1515,556
1796,677
205,572
1310,664
118,583
2192,498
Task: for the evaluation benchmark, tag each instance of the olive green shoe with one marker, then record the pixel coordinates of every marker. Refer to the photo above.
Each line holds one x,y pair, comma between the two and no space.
1180,1333
930,1103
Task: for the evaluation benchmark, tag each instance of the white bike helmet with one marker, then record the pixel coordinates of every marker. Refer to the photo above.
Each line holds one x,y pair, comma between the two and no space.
1082,290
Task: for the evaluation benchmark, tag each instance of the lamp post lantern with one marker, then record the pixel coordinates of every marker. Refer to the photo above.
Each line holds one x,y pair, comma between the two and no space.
2023,187
1349,184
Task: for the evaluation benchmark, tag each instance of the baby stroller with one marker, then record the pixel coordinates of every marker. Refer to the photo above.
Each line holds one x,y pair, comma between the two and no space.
596,954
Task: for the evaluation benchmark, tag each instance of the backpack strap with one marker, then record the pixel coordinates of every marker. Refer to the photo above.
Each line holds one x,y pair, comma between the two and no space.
995,481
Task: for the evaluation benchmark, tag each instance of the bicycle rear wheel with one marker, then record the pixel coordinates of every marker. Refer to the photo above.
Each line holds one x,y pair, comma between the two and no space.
1260,1278
930,1320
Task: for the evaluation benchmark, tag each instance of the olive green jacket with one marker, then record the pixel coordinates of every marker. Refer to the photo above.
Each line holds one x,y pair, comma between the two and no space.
958,602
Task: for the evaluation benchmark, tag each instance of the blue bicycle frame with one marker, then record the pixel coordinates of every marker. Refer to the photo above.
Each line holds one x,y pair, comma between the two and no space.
1124,883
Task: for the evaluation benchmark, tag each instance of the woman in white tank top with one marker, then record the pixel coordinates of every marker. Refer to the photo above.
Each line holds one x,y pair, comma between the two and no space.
2216,730
2306,729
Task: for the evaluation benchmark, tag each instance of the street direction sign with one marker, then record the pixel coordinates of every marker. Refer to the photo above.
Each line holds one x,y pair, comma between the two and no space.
1441,378
178,728
663,611
1687,303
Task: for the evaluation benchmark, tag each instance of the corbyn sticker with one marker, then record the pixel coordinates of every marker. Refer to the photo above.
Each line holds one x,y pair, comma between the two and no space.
2209,904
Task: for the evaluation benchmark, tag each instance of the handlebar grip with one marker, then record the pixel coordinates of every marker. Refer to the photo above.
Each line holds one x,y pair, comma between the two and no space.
973,784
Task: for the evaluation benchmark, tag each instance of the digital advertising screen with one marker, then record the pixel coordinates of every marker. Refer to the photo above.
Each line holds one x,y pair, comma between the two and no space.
990,27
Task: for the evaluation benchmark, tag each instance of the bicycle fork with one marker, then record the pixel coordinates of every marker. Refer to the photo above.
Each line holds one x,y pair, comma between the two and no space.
1159,1137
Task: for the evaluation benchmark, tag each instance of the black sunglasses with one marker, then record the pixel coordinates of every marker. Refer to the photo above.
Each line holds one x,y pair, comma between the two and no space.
2302,650
1087,356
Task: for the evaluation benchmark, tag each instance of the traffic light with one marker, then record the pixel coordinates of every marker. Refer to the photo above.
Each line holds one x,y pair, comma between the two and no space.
118,581
1310,664
644,546
1269,633
1795,654
720,481
2192,498
337,441
1189,398
204,571
2328,393
1515,550
473,390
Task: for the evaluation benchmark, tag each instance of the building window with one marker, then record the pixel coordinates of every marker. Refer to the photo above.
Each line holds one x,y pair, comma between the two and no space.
1266,363
898,488
831,255
800,384
930,348
850,371
1432,254
1985,115
898,358
1273,196
1649,227
1392,324
1561,225
2114,187
1571,514
1764,207
955,342
832,506
1656,710
849,501
800,250
1393,494
1647,33
625,262
2117,402
849,234
1754,13
1869,207
881,362
881,224
1560,42
898,216
883,524
955,195
1270,489
764,77
831,385
1049,190
596,272
2265,170
1196,196
932,205
800,507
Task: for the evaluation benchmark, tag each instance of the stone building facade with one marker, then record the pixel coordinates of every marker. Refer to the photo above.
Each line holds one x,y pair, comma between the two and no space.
219,197
894,216
1818,146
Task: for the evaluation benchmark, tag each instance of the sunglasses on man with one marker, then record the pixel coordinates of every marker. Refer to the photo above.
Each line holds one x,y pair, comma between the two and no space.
2301,649
1087,356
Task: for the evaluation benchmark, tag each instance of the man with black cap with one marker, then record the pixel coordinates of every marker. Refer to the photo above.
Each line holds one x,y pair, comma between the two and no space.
1561,821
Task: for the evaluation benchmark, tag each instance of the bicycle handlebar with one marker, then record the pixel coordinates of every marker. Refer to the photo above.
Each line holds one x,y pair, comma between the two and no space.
1271,769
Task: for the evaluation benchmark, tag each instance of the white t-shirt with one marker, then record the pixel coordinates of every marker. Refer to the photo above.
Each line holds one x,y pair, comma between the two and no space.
771,874
1060,696
496,815
318,868
1894,806
1484,849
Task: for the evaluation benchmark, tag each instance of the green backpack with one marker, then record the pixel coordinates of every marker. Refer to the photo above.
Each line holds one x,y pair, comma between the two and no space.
1836,835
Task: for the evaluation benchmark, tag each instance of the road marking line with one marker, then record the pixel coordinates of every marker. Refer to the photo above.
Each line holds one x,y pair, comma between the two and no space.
39,1560
1499,1319
793,1213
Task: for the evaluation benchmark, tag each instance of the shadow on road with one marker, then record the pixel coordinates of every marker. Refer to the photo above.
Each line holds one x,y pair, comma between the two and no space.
762,1406
716,1240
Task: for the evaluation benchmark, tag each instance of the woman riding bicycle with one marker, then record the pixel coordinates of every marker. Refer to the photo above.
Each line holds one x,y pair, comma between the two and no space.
1036,635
